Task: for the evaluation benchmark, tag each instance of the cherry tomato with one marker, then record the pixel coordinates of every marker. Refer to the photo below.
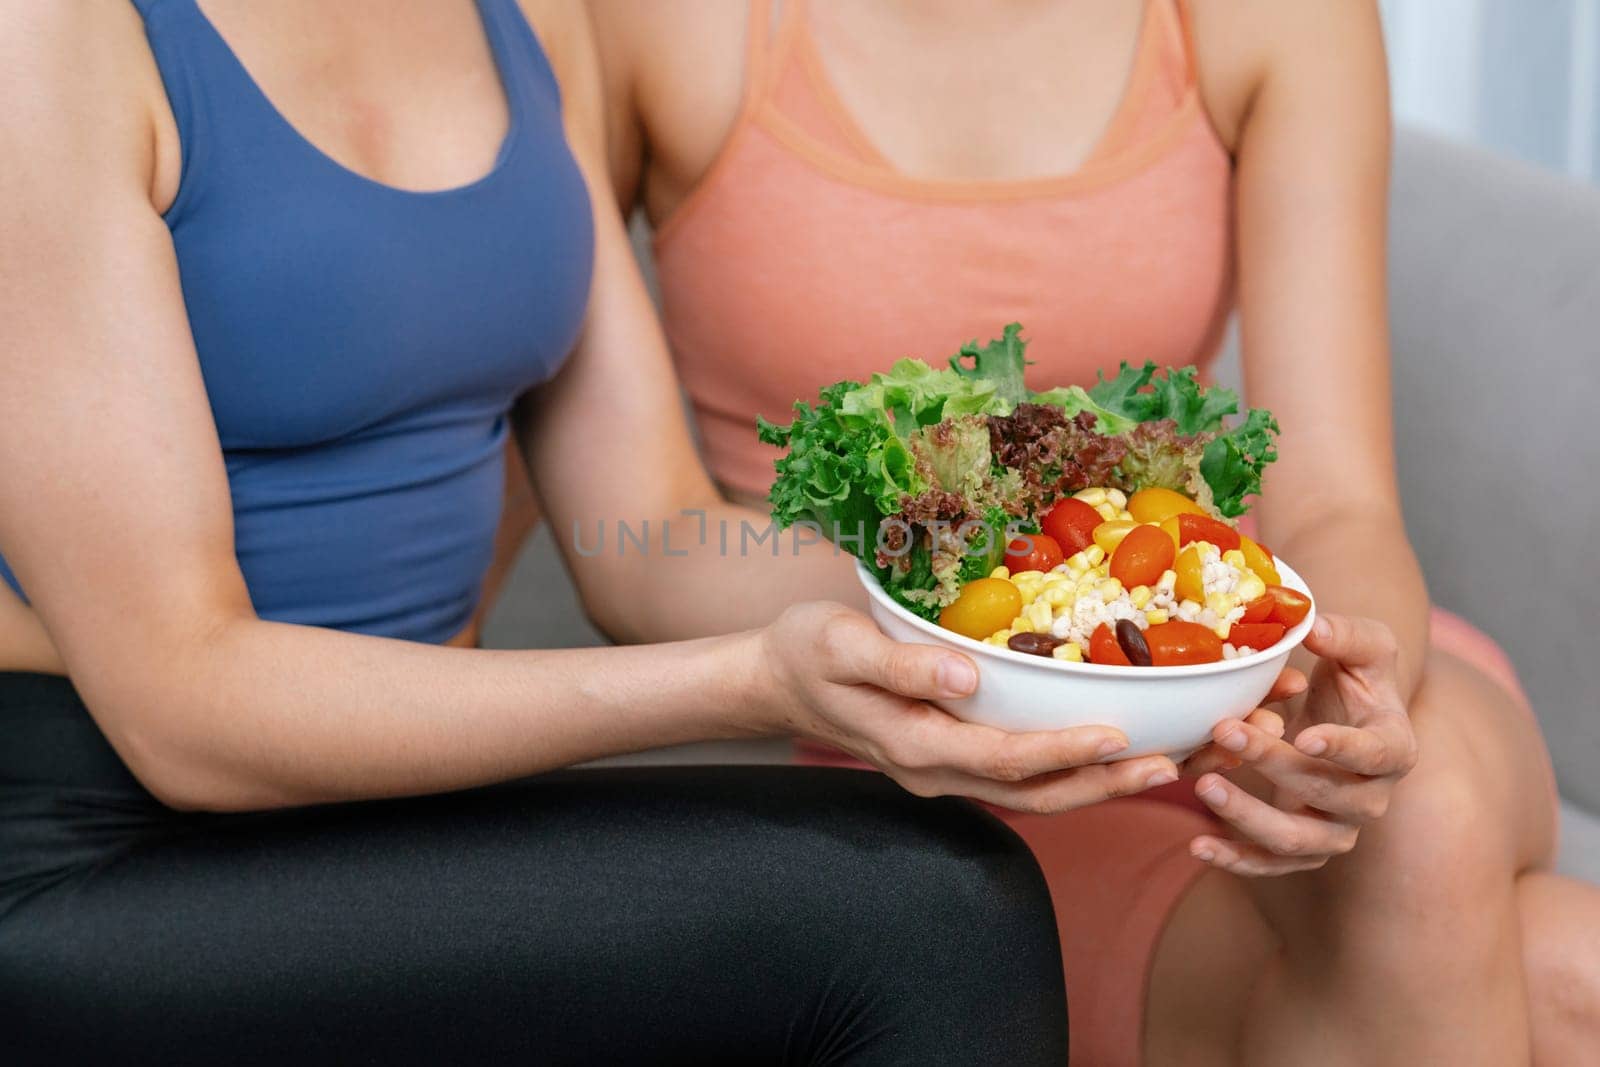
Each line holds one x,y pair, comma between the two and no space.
1191,576
1260,561
1256,635
1105,649
1155,504
1071,522
984,606
1289,606
1258,610
1141,557
1205,528
1033,552
1178,643
1108,535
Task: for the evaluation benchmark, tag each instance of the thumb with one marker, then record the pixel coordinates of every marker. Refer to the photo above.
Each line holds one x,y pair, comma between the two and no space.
921,672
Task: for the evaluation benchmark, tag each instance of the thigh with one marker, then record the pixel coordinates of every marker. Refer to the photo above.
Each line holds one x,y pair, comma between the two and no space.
662,915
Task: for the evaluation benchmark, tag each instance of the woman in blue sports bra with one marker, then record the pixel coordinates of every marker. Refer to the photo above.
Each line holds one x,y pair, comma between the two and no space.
276,284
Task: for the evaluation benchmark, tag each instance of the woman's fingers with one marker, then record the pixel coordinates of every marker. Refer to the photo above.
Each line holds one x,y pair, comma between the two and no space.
1384,745
1214,757
861,655
938,741
1248,860
1314,783
1353,642
1282,833
1050,794
1290,682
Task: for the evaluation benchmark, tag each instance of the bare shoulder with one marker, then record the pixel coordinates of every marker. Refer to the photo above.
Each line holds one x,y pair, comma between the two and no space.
660,38
674,76
1313,47
82,93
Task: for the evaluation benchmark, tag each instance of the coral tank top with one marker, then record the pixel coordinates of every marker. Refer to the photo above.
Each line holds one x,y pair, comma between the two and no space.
804,256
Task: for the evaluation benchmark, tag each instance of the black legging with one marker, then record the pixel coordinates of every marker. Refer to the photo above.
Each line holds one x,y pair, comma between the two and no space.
661,915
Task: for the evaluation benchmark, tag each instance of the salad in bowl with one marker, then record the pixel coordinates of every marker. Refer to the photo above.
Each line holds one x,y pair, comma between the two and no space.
1082,545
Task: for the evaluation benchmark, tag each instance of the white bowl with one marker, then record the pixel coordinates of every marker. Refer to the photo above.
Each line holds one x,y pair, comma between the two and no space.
1162,710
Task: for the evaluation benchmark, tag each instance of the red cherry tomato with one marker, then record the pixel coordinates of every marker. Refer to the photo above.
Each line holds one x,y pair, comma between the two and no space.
1289,606
1258,610
1142,557
1256,635
1033,552
1071,522
1105,649
1205,528
1178,643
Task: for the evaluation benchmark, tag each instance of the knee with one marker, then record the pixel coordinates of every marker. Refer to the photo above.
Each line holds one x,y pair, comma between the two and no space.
948,932
1437,839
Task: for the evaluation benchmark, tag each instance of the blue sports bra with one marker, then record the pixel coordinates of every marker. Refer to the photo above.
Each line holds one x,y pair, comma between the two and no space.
362,345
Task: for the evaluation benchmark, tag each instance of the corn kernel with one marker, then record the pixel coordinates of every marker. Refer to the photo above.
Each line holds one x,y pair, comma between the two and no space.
1038,614
1235,558
999,638
1000,572
1093,497
1068,651
1107,512
1077,563
1139,595
1155,616
1095,555
1124,515
1168,581
1251,587
1060,596
1221,603
1117,498
1109,589
1022,625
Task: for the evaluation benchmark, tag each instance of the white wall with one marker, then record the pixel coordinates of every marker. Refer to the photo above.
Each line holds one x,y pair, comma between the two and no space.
1520,76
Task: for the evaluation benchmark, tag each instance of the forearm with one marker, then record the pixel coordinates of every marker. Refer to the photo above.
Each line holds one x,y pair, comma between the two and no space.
711,569
1363,566
265,714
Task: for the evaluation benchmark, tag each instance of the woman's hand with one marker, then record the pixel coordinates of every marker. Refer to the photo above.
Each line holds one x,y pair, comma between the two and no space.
832,676
1351,742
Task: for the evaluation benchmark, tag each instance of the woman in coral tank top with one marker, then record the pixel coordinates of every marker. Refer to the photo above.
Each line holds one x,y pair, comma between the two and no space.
834,185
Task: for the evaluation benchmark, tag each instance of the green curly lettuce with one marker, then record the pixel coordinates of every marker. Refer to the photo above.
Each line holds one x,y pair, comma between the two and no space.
1183,440
1003,361
850,462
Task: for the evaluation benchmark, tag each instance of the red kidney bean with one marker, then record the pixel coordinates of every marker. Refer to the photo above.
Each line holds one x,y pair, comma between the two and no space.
1133,643
1033,644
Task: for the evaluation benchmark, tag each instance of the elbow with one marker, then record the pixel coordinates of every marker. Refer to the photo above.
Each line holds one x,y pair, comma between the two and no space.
173,764
179,781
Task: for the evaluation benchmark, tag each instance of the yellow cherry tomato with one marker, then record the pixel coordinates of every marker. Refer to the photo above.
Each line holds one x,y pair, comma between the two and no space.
1191,575
1170,526
1157,505
1259,561
984,606
1108,535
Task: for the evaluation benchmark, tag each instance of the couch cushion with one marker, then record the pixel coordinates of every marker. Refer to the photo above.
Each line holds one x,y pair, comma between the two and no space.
1495,304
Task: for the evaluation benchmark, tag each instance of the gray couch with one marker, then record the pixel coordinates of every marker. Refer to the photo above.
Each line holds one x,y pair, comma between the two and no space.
1495,284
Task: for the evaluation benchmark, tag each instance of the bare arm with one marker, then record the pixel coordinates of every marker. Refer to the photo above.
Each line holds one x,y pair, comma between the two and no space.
718,577
114,512
1313,168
